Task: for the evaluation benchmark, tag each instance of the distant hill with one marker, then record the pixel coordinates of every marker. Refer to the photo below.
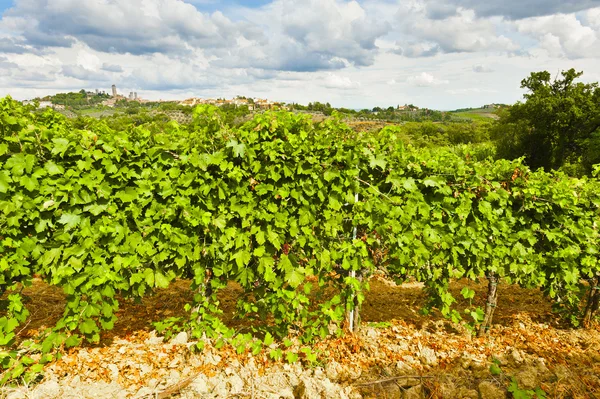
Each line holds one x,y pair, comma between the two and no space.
485,108
487,111
78,99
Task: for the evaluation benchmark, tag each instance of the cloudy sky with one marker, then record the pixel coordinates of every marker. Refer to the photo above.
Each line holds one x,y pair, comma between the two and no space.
358,54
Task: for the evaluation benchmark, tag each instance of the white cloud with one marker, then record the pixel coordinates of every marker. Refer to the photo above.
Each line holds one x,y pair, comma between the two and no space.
482,68
296,35
460,32
471,90
334,81
510,9
122,26
88,60
82,73
592,17
5,64
111,68
192,74
425,79
422,49
309,35
564,35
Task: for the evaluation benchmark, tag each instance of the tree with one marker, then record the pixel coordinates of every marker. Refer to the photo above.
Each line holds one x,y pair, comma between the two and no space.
558,124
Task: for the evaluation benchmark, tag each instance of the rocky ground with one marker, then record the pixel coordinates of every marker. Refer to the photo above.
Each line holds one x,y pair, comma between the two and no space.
398,353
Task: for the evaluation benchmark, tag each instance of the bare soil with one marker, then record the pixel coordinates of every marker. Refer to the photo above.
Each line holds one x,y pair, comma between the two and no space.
399,352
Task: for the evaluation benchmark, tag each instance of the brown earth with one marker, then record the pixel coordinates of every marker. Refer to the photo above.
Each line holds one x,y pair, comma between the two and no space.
399,352
385,302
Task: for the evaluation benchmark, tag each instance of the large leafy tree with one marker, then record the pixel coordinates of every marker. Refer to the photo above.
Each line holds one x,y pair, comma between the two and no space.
558,124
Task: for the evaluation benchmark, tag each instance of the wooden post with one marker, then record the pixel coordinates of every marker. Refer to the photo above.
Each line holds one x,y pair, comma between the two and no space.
205,290
490,305
354,314
593,302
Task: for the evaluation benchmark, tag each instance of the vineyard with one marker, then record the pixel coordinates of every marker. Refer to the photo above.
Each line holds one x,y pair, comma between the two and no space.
299,214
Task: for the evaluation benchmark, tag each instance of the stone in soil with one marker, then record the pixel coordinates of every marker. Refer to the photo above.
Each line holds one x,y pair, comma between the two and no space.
415,392
489,390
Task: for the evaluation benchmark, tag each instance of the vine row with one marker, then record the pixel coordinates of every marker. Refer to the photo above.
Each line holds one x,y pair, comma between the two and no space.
271,205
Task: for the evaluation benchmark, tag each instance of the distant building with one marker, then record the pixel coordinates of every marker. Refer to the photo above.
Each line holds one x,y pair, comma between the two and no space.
252,104
190,102
114,90
492,106
131,98
45,104
263,103
407,107
110,102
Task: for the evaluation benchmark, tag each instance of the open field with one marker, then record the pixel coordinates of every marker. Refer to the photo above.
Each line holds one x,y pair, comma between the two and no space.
477,114
97,112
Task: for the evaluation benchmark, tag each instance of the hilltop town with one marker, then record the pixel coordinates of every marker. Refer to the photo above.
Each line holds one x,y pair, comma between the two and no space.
102,98
251,103
99,104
